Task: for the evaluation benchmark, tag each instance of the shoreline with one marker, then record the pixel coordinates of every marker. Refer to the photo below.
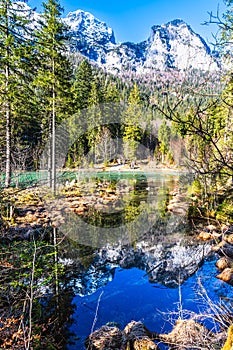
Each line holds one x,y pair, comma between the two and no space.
140,167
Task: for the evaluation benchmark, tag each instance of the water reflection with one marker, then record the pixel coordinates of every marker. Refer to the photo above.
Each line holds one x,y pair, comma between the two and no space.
130,297
123,209
138,254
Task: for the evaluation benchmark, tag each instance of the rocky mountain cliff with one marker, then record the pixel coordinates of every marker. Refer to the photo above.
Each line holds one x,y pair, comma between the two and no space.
171,46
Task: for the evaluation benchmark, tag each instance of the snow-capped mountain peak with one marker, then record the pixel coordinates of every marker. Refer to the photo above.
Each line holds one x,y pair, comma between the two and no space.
176,45
173,45
85,23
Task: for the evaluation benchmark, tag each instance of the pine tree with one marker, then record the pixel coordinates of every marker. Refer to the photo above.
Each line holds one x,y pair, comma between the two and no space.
94,116
132,132
82,85
52,82
164,137
14,70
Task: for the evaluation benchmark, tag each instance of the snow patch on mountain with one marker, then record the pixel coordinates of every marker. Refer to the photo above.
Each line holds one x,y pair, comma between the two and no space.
170,46
89,36
90,27
176,45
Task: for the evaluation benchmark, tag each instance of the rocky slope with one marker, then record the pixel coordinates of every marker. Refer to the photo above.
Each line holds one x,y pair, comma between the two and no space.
170,46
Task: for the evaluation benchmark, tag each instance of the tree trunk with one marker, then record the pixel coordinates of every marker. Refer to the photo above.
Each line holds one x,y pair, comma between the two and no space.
50,154
8,146
7,110
53,133
54,146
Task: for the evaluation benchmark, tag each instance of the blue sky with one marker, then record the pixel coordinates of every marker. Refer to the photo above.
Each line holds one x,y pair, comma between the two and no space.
131,20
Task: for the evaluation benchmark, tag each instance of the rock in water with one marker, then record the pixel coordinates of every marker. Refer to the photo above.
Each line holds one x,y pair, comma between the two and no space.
138,337
226,275
105,338
224,248
187,334
134,337
224,263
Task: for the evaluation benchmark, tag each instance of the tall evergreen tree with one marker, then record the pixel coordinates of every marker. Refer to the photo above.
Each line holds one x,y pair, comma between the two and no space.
82,85
164,137
14,70
53,77
94,116
132,117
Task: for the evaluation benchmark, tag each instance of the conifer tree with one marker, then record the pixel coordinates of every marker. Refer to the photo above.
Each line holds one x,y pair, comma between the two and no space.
94,115
82,85
132,117
14,70
164,137
53,77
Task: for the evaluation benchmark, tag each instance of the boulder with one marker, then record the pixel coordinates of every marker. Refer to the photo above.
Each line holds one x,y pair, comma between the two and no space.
205,236
224,248
187,334
211,228
229,238
224,263
134,337
106,338
208,235
138,337
226,275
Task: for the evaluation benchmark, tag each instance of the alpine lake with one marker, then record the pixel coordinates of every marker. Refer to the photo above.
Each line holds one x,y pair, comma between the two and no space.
133,259
127,252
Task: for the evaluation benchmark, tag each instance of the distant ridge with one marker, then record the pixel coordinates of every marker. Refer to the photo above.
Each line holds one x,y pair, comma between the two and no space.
170,46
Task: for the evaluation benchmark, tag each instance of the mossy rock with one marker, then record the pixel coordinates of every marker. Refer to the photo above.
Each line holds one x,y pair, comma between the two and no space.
27,197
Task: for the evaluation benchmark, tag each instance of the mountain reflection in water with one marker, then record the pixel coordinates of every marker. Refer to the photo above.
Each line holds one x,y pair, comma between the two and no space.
139,270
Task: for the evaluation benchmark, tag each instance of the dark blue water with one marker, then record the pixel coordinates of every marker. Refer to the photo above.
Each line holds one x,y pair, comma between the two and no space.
129,296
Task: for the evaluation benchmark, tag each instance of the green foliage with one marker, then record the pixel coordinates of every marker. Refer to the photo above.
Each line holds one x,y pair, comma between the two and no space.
82,85
53,76
195,188
15,77
28,272
164,137
224,212
132,131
